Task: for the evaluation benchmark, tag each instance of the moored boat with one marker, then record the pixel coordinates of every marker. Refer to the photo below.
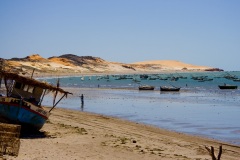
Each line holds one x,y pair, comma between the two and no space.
228,86
169,88
146,87
22,102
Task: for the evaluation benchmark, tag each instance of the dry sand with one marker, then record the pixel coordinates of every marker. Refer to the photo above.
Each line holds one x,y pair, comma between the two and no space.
173,64
86,136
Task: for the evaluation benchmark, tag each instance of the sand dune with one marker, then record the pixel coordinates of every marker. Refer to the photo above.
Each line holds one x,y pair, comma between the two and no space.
72,64
172,64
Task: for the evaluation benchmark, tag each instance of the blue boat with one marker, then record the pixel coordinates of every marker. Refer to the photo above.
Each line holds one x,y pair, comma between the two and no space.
22,103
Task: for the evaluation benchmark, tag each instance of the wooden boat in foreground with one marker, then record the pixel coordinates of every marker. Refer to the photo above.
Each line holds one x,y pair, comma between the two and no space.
169,88
146,87
22,103
228,86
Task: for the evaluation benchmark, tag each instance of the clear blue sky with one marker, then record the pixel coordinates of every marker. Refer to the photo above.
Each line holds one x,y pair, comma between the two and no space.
201,32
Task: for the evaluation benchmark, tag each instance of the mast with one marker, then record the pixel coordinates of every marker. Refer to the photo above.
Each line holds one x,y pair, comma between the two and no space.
1,69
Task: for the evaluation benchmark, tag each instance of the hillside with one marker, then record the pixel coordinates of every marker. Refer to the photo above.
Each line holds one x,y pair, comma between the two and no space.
72,64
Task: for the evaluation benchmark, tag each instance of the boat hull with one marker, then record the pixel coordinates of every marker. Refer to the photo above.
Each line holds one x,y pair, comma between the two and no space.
169,89
146,87
228,87
21,112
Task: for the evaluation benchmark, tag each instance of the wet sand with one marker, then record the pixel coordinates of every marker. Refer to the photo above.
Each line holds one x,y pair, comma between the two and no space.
71,134
185,112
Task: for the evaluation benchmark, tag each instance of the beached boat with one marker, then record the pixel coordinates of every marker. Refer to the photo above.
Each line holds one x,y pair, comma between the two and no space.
22,102
169,88
146,87
228,86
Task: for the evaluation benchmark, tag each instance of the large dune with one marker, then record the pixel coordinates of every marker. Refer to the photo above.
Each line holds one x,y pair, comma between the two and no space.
69,64
172,64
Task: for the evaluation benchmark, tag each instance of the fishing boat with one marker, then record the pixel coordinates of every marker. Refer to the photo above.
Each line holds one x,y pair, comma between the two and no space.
22,102
236,80
228,86
169,88
146,87
136,80
144,77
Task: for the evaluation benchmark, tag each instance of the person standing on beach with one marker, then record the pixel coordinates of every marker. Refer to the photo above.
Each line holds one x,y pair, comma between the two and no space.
82,102
82,99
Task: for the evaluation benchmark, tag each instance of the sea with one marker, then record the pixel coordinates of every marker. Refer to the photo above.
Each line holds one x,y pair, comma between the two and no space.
200,108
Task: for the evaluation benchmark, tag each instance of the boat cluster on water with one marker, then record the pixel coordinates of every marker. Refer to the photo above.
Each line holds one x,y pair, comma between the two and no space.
202,78
170,77
141,78
162,88
232,77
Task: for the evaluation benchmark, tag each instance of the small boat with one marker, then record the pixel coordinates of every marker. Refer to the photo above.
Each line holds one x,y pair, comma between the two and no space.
236,80
136,81
144,77
164,79
22,102
228,86
152,78
169,88
146,87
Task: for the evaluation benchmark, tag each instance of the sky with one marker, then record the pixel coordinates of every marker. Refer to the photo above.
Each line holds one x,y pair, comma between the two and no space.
199,32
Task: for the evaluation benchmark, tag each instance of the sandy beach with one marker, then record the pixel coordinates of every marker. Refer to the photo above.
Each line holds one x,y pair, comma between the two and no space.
119,80
73,135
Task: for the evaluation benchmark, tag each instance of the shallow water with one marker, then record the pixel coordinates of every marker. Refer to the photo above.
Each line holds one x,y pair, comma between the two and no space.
199,108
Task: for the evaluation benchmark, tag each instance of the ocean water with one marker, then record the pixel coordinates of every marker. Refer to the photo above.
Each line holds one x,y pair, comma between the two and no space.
200,108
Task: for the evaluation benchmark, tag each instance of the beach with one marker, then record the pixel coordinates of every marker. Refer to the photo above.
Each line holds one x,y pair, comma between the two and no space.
117,124
71,134
197,111
116,80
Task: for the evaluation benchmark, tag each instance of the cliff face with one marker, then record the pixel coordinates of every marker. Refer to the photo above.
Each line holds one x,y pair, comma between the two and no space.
73,64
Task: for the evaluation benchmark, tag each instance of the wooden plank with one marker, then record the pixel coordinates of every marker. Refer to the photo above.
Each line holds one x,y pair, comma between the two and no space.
5,127
9,139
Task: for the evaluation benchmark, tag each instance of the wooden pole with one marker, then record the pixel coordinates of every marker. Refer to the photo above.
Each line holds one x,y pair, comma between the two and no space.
32,73
211,152
42,97
220,152
57,102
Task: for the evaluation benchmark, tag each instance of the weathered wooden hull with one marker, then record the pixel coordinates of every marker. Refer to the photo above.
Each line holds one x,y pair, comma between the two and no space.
17,111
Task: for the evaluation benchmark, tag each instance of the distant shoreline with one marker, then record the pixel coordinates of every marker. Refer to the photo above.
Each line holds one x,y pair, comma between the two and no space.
73,65
56,75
